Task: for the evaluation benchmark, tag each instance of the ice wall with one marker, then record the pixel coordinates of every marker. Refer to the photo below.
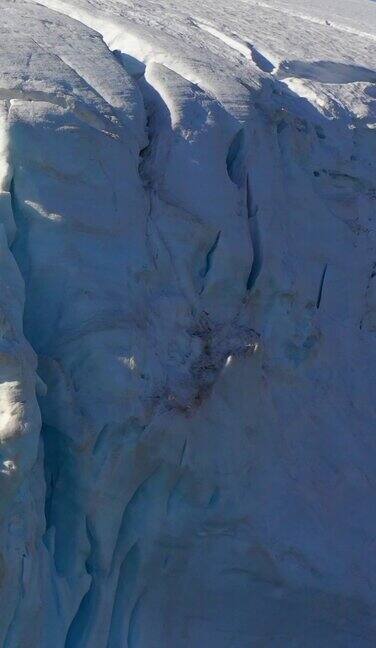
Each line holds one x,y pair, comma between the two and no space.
187,272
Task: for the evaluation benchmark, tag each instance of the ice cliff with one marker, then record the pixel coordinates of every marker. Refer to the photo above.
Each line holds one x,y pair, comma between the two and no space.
187,324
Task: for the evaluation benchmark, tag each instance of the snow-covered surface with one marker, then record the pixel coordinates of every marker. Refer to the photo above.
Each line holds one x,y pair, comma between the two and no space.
188,321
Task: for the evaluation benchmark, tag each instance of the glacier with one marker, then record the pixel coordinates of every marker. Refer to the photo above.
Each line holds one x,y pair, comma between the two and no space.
187,323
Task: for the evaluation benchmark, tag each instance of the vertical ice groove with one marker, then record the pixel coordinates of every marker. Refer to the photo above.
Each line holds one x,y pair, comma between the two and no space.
5,164
6,211
257,260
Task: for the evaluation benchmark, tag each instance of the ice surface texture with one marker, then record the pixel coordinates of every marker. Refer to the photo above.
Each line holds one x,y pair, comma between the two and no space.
187,324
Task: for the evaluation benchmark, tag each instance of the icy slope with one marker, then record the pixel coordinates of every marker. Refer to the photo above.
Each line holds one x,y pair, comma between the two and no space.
188,312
